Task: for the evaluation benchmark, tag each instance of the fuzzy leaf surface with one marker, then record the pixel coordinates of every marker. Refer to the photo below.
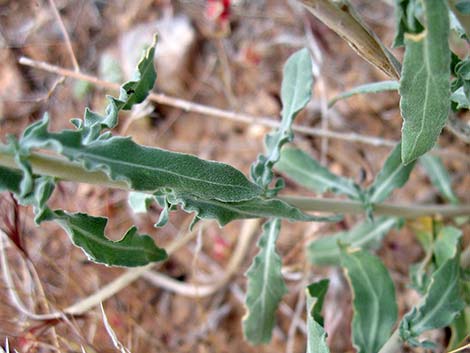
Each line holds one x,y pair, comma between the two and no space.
442,302
87,233
306,171
316,335
145,168
374,304
374,87
425,82
364,235
225,212
265,287
394,174
439,176
296,92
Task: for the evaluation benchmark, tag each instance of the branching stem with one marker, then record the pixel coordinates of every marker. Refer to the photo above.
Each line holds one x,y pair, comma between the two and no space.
60,168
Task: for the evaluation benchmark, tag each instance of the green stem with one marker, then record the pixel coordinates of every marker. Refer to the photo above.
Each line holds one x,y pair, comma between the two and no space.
60,168
394,343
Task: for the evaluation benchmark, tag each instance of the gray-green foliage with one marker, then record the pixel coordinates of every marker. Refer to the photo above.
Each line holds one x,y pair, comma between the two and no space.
439,176
365,235
425,82
265,287
316,335
375,308
442,300
306,171
295,93
394,174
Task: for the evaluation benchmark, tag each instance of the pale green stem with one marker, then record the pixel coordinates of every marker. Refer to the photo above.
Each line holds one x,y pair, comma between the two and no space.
60,168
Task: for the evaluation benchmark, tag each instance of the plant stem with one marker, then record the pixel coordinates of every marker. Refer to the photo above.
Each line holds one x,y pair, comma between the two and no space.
60,168
204,110
393,345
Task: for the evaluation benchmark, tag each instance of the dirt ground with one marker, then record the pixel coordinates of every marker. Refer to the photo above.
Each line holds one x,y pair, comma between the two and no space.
232,63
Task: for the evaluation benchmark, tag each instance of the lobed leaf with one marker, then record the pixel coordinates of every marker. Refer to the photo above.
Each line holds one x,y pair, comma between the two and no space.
341,18
265,287
145,168
316,335
442,302
437,172
374,304
296,92
306,171
374,87
87,233
393,175
364,235
225,212
425,85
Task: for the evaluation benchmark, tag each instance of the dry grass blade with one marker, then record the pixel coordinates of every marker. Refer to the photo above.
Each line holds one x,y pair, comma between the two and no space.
342,19
119,346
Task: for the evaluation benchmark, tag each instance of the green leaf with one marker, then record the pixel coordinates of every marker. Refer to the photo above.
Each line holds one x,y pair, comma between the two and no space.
316,335
225,212
447,240
442,301
460,329
393,175
425,85
374,304
459,97
374,87
265,288
407,13
87,233
463,6
306,171
341,17
296,92
439,177
10,180
364,235
144,168
139,202
131,93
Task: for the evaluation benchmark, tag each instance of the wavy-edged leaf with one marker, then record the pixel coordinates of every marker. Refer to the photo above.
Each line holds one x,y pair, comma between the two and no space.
130,93
145,168
364,235
87,233
440,305
374,87
316,335
225,212
374,304
306,171
341,18
393,175
425,82
265,287
296,92
437,172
